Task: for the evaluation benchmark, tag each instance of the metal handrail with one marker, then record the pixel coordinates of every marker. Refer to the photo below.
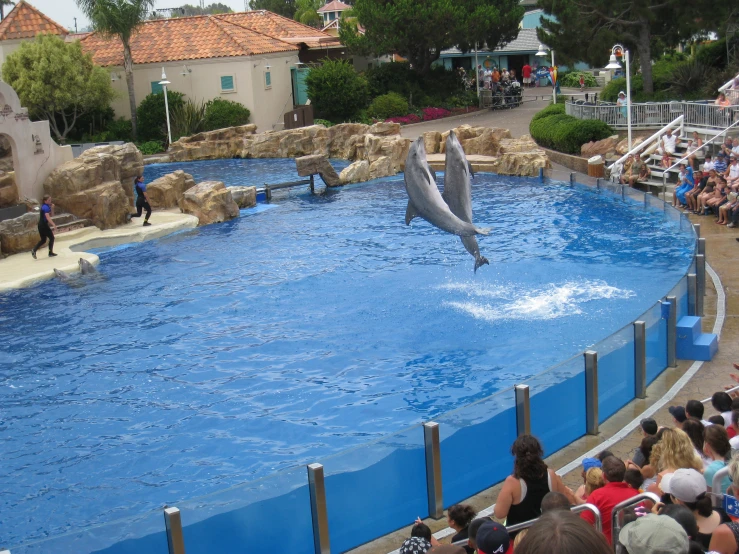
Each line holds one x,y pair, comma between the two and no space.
716,492
728,83
621,506
574,509
732,389
650,140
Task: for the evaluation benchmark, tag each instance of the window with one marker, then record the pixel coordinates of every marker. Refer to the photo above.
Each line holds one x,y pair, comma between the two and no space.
156,87
228,84
267,79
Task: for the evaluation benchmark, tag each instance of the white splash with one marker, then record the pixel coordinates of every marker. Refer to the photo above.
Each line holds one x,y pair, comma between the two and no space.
549,302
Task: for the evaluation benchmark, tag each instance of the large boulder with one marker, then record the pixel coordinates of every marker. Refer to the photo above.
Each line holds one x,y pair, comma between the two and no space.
8,190
342,139
317,163
210,202
381,167
358,172
167,191
384,129
623,146
394,147
287,144
482,141
524,164
245,197
521,144
222,143
604,147
19,234
130,159
432,142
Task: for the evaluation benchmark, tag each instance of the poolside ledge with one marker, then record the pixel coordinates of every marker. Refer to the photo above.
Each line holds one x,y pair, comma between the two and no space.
21,270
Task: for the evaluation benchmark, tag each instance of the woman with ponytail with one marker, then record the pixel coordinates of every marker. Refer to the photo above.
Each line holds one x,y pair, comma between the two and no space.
520,498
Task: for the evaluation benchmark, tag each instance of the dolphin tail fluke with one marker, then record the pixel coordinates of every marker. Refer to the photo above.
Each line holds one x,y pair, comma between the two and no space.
472,171
481,261
482,230
410,213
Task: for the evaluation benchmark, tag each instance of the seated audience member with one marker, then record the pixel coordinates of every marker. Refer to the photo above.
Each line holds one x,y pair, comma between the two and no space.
721,402
725,209
678,415
722,102
587,465
593,481
493,538
667,143
716,420
733,215
459,518
561,532
653,534
721,164
694,429
695,409
707,192
415,545
614,492
733,430
725,539
602,455
555,501
639,171
690,198
720,194
695,151
732,174
520,498
634,479
708,163
675,451
648,428
472,531
647,469
666,160
686,519
718,449
626,169
686,182
688,488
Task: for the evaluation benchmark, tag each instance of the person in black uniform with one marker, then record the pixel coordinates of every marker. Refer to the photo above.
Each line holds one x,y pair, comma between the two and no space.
45,225
142,199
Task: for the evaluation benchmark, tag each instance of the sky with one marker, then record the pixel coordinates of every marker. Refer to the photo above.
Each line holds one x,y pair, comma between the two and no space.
64,11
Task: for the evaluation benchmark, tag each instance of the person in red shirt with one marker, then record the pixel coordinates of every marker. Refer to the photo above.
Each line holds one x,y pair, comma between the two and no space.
615,492
526,72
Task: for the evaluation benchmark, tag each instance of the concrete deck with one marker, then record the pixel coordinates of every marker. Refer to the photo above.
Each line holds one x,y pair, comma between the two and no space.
21,270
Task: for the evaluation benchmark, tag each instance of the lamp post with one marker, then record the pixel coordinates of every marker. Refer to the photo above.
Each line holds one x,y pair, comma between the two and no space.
164,84
614,64
542,53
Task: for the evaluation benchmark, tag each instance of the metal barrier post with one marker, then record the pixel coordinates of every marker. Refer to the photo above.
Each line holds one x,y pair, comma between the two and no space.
597,183
702,246
672,333
717,494
692,293
523,412
623,192
646,202
621,506
572,178
590,508
697,227
433,469
700,282
591,392
541,174
319,513
640,359
173,524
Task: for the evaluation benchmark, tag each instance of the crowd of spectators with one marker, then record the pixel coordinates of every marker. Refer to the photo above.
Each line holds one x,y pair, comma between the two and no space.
677,463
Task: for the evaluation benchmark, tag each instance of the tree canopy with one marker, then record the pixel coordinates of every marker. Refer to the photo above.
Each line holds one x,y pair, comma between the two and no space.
57,81
282,7
306,11
419,30
585,30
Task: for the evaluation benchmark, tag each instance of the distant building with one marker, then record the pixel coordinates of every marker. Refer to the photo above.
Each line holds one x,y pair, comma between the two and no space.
23,23
331,14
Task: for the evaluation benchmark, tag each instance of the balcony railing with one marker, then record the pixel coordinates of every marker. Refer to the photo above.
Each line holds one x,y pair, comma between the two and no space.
654,115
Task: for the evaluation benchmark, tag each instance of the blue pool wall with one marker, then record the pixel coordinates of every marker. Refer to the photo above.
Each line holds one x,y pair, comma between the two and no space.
380,487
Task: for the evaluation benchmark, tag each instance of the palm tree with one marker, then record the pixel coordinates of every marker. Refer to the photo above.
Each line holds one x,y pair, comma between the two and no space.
119,18
4,3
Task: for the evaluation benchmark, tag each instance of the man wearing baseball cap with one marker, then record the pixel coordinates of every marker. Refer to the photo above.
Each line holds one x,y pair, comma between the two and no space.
492,538
648,427
653,534
678,415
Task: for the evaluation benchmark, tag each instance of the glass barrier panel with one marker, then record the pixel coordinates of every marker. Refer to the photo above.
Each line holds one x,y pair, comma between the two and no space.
655,203
656,341
476,445
634,197
558,404
376,488
252,517
615,372
674,215
145,534
680,292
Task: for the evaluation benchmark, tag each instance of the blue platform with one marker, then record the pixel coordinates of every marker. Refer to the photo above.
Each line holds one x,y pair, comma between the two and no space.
692,344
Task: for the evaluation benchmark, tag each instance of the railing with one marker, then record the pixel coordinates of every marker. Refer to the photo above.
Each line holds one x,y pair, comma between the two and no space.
717,495
416,470
678,121
652,115
730,92
575,510
620,507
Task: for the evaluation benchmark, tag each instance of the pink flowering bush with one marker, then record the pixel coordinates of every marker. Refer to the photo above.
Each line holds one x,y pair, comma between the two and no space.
430,114
405,120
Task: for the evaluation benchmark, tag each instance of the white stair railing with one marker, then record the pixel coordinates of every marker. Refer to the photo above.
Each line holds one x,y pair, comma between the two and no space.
655,138
730,92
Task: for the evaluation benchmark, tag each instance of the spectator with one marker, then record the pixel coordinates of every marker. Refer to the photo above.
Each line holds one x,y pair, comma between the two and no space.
690,198
678,415
686,182
695,409
654,534
732,430
415,545
725,537
707,193
696,152
634,479
520,498
718,449
614,491
722,102
694,429
721,164
560,532
587,465
647,469
716,420
648,428
683,516
732,175
666,160
675,452
472,531
725,209
626,170
668,143
719,197
526,72
593,481
493,538
721,402
708,164
422,530
603,454
459,518
639,171
622,104
447,549
556,501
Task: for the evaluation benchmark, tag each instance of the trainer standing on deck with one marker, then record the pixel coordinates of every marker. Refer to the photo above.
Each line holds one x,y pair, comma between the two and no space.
142,199
45,224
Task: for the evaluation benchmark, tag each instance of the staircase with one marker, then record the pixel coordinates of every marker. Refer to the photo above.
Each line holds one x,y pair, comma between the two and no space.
692,344
654,184
67,222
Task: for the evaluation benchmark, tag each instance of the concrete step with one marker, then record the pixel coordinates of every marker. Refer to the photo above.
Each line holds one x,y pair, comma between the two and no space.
62,218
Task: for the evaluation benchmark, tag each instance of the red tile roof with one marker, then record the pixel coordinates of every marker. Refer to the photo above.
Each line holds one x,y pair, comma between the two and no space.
25,21
208,36
334,6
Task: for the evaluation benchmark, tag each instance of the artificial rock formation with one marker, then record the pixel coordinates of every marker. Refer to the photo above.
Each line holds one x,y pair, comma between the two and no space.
317,163
98,185
623,146
223,143
521,144
19,234
481,141
8,190
167,191
358,172
381,167
525,164
432,142
210,202
604,147
245,197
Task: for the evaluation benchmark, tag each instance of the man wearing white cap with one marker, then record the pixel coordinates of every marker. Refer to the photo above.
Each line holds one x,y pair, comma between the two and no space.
653,534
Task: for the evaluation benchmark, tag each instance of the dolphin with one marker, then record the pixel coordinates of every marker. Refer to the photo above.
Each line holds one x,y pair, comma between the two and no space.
62,275
424,198
458,192
86,268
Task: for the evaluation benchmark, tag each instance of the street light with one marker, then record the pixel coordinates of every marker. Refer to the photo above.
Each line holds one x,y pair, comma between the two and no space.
553,74
164,84
613,64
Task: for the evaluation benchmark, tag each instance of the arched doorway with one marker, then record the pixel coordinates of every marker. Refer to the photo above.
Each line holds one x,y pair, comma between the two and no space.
8,190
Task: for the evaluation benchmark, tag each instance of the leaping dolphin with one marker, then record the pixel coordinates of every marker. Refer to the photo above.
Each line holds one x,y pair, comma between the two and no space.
424,198
458,192
86,268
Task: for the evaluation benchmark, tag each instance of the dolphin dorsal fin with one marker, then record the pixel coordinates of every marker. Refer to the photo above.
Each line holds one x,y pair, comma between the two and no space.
410,213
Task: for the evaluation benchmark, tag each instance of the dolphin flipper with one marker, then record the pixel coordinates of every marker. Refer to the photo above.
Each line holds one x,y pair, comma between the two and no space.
469,166
410,213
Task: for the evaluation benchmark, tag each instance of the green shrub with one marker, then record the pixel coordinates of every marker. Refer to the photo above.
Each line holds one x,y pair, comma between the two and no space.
187,119
119,129
435,89
552,128
151,147
461,99
325,122
220,113
572,79
337,92
388,105
151,117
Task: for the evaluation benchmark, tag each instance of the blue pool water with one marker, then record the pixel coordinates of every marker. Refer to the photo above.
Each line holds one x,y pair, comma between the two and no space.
226,353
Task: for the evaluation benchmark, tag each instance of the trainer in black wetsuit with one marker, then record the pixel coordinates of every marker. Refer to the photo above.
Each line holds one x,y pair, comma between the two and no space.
45,224
142,199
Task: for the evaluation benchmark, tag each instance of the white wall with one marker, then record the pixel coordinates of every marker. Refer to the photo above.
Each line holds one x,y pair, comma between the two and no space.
7,47
203,83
